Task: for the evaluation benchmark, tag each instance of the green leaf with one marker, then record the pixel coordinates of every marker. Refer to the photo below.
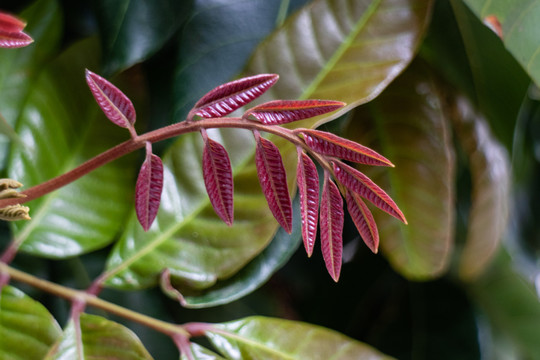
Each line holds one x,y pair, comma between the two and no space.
338,50
407,124
27,329
200,353
490,172
94,337
266,338
60,135
19,68
519,26
133,30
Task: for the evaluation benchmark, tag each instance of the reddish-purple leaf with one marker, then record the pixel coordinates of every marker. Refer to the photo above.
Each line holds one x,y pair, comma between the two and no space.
273,181
228,97
286,111
326,143
148,189
364,221
14,39
360,184
217,173
332,227
308,187
113,102
10,23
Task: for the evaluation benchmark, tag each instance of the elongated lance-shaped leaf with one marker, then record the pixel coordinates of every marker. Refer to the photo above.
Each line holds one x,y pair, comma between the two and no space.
148,188
217,173
10,23
363,220
360,184
113,102
228,97
326,143
273,180
285,111
331,219
308,188
14,39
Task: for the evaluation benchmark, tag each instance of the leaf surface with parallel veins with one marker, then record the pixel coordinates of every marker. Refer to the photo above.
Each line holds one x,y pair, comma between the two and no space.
148,189
308,189
279,112
363,220
332,218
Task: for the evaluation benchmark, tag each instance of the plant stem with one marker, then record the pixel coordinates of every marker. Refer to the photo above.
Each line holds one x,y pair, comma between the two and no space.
138,142
72,295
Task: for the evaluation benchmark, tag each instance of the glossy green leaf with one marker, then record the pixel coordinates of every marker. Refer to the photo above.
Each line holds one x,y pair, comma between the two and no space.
96,338
517,23
19,68
27,329
200,353
133,30
267,338
490,174
407,124
60,135
341,50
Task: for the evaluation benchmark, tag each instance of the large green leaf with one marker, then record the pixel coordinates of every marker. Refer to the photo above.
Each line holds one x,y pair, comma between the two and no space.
407,124
19,68
490,175
519,25
94,337
266,338
200,353
61,128
132,30
27,329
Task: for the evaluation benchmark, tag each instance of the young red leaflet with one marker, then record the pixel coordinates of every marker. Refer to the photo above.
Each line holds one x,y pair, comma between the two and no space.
113,102
273,181
285,111
10,23
228,97
332,227
217,173
14,39
148,189
329,144
308,188
364,221
360,184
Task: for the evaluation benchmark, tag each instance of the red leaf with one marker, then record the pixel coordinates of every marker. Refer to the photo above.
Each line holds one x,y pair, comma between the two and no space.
360,184
14,39
113,102
273,181
148,189
327,143
308,187
364,221
10,23
332,227
217,173
228,97
286,111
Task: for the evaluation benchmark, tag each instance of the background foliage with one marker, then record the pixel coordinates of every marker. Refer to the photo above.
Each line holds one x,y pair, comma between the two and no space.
452,103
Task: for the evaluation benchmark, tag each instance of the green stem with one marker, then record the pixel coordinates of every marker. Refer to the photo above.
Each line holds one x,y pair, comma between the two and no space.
72,295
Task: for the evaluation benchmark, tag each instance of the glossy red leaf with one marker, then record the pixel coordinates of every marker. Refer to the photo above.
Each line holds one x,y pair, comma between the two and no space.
363,220
10,23
308,188
360,184
217,173
113,102
326,143
228,97
14,39
148,189
331,219
286,111
273,180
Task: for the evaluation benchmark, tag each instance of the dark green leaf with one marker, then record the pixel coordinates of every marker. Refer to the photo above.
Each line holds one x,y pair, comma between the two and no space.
27,330
407,124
